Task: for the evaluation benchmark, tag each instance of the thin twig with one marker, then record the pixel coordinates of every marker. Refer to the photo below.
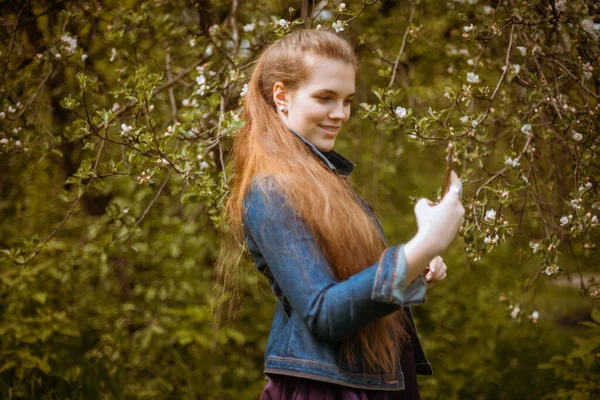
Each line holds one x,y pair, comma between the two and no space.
412,13
221,114
156,196
364,7
12,43
171,94
35,94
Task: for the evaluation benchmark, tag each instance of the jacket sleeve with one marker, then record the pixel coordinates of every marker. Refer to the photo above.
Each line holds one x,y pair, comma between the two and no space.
329,308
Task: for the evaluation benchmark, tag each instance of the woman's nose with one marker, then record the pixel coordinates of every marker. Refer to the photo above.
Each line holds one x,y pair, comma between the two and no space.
338,112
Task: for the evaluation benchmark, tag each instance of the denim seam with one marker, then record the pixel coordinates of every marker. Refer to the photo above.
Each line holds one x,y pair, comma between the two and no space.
327,366
390,388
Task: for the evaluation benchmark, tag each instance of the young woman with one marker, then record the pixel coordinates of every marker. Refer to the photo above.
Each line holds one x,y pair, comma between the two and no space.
342,328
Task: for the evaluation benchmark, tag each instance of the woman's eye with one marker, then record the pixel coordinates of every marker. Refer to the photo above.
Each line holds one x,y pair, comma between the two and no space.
324,98
347,101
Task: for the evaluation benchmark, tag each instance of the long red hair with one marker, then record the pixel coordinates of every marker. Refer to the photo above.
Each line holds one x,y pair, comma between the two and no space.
342,229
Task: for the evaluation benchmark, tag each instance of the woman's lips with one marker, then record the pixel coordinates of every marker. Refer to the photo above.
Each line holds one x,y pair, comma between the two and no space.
330,130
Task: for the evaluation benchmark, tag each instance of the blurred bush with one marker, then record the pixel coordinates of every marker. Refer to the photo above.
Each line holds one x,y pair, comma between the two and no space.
116,120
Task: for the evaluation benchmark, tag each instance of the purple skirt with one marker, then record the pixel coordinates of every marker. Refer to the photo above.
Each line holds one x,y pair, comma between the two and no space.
283,387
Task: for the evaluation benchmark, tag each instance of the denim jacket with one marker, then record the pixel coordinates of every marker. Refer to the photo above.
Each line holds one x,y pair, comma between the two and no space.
314,310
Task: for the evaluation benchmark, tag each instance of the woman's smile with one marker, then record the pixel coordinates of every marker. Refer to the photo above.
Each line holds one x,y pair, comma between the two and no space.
330,130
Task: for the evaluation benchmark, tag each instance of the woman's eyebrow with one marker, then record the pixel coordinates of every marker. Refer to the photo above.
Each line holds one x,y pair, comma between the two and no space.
333,92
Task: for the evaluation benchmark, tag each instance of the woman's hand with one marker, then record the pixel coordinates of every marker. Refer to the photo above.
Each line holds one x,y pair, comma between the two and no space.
435,271
439,223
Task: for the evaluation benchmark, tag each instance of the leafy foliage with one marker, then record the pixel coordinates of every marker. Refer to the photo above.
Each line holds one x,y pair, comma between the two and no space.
116,119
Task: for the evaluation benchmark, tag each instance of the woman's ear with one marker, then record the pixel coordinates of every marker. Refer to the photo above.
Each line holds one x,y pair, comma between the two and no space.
280,95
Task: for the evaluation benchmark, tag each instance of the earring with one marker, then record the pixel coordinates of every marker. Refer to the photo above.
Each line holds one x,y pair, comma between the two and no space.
283,109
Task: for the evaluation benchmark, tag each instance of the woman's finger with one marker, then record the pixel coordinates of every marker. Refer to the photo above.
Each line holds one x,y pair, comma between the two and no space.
440,272
430,270
435,268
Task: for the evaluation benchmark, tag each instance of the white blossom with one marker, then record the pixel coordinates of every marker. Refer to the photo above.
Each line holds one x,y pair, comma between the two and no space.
588,184
338,26
512,162
4,141
213,29
11,109
18,143
249,27
597,27
588,26
534,316
209,50
468,28
522,49
342,6
534,246
464,119
201,90
125,129
564,221
323,16
204,165
487,239
283,23
526,129
577,136
474,123
516,68
594,220
472,77
505,194
185,102
515,311
84,57
113,54
201,80
488,10
69,44
551,269
192,42
470,61
244,90
561,5
490,215
401,112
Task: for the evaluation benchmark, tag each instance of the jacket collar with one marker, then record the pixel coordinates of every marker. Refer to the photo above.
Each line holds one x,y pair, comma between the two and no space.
334,160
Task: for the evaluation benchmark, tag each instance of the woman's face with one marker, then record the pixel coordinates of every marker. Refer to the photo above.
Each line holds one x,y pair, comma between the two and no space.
319,107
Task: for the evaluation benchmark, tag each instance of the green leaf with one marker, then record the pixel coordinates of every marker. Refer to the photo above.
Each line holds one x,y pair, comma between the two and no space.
8,365
596,314
40,297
